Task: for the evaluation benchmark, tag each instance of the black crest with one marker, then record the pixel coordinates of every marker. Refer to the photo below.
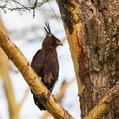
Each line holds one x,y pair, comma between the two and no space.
47,28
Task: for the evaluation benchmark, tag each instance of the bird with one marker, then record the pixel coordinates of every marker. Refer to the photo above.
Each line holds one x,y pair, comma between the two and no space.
45,63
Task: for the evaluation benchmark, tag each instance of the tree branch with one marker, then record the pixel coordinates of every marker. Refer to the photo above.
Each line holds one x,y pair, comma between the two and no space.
103,106
31,78
59,96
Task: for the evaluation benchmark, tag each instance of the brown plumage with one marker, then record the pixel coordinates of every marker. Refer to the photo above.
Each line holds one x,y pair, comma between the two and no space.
45,63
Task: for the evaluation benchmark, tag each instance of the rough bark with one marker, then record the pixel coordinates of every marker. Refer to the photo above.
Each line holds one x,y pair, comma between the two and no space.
98,64
104,105
31,78
101,20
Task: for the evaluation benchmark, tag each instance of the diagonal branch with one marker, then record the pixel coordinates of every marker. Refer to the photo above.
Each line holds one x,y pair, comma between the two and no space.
60,95
31,78
103,106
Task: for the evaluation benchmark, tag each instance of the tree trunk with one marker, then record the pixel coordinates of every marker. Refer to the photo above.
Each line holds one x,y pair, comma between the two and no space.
101,20
99,61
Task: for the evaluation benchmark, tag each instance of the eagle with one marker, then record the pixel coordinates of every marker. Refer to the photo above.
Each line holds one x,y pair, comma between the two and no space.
45,63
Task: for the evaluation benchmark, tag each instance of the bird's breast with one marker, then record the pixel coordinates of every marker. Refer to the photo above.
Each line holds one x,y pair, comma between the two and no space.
51,55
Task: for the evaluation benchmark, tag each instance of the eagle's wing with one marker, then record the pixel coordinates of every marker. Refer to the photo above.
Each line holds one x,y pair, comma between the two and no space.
51,72
38,63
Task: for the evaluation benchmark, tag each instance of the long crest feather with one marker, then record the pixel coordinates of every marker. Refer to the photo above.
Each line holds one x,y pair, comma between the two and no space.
47,28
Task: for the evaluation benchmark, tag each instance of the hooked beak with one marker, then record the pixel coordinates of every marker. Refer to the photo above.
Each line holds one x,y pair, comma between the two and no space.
59,42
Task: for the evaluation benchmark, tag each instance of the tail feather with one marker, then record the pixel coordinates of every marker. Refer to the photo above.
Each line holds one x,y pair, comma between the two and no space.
38,103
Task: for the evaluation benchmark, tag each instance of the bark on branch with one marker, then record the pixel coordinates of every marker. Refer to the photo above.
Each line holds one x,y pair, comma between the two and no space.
59,96
31,78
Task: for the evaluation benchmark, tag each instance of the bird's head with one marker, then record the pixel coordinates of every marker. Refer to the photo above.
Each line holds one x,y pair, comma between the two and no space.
50,40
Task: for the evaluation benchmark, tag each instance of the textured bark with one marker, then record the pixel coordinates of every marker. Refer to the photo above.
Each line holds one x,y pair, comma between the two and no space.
104,105
101,20
98,63
31,78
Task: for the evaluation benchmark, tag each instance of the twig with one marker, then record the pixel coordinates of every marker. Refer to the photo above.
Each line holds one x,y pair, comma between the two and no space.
19,3
24,98
27,8
35,4
3,7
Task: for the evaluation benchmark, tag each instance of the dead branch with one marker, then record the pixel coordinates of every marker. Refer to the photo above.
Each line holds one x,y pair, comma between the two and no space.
21,7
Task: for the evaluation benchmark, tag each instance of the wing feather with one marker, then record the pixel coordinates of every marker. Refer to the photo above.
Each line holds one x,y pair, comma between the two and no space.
38,63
